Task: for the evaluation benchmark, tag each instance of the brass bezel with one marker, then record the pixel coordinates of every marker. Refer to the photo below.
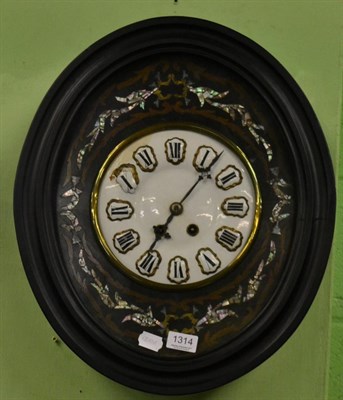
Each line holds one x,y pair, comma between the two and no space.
154,129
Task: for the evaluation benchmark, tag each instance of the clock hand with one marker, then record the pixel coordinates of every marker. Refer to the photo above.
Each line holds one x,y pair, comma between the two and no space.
160,232
200,178
207,170
203,173
176,208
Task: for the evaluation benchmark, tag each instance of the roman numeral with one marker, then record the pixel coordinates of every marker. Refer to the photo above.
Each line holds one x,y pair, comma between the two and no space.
203,158
175,150
208,261
127,177
127,182
126,240
118,210
178,271
236,206
229,177
232,206
145,158
148,263
229,238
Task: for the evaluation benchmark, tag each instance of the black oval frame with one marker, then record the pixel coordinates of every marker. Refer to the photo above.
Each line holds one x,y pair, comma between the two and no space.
35,182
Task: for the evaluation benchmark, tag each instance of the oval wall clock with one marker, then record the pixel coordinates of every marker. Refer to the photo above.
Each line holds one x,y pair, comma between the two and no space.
174,205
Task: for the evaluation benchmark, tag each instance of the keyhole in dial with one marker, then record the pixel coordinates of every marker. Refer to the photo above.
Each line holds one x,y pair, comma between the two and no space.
192,229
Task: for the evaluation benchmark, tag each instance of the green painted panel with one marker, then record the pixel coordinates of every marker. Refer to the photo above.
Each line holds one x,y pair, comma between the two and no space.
39,38
336,347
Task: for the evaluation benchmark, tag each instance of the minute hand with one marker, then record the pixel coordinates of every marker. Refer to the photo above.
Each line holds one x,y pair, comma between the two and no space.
201,177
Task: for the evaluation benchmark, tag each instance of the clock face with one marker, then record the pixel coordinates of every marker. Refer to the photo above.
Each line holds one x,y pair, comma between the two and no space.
176,207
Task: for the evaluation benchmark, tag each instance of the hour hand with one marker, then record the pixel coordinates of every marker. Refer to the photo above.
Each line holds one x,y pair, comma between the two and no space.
160,232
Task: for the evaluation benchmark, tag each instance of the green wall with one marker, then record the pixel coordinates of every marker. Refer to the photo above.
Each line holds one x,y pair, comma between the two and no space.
39,38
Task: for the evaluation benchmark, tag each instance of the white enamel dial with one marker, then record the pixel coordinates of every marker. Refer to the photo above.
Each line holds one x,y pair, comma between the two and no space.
176,207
